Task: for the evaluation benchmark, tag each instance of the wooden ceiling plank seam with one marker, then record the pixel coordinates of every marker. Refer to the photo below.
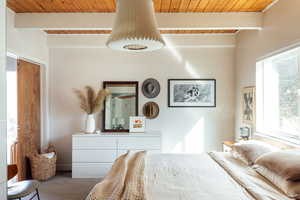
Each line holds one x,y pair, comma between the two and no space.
219,7
110,5
248,5
202,5
105,6
225,3
211,5
115,4
239,5
15,6
63,6
184,5
160,6
32,6
165,5
193,5
175,5
262,4
231,6
50,5
77,5
170,3
88,6
156,4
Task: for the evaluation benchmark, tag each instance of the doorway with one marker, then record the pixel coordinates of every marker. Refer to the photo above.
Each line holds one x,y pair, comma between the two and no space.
11,99
23,113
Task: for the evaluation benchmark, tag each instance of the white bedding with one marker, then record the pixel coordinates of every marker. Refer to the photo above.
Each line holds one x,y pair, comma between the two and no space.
214,176
189,177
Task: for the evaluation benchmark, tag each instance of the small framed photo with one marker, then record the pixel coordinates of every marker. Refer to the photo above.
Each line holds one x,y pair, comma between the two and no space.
192,92
248,105
137,124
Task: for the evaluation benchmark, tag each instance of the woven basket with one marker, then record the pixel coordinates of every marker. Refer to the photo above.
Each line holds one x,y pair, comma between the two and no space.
42,168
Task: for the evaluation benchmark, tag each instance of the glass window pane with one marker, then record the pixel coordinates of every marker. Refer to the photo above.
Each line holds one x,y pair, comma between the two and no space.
278,95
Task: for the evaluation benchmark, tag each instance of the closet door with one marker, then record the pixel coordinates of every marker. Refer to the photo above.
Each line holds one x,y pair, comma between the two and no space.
29,114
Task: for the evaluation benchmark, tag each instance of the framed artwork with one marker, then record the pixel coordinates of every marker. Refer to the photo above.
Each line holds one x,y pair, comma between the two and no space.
192,92
248,105
137,124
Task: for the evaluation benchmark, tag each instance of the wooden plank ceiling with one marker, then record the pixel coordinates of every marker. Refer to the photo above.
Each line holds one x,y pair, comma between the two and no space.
162,31
27,6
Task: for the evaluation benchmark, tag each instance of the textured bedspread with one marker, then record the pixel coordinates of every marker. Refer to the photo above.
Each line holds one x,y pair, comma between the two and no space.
214,176
124,181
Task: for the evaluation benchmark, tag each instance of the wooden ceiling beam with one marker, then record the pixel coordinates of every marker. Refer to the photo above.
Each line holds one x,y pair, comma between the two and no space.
104,21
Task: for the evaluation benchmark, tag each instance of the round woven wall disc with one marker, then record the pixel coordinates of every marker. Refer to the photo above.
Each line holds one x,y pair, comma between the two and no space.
151,88
151,110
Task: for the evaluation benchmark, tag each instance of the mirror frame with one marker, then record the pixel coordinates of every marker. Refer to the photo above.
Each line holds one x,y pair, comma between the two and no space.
105,83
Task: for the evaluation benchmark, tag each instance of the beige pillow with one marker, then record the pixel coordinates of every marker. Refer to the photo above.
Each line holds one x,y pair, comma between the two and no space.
249,151
285,164
290,188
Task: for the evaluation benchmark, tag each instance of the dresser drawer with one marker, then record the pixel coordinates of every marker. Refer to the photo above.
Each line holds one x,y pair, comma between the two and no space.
90,170
94,142
93,155
139,143
123,151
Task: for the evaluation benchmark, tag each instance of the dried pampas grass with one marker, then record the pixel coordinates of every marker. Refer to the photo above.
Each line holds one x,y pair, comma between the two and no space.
90,101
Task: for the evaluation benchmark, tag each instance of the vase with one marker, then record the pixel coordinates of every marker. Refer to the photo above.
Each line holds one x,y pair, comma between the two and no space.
90,125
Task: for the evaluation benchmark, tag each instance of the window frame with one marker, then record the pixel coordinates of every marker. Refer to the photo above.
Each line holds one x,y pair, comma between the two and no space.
260,115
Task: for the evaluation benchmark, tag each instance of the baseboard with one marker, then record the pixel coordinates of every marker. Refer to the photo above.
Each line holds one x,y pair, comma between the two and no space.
64,167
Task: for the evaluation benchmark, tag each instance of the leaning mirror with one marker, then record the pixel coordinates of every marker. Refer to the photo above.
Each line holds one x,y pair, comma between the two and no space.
120,105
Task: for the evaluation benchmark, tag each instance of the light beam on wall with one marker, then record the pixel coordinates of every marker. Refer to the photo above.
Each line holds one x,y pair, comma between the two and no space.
193,142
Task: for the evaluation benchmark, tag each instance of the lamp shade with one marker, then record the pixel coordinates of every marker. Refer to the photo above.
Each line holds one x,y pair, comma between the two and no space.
135,27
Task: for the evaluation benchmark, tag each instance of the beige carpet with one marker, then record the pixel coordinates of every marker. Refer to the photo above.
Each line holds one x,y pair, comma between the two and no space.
63,187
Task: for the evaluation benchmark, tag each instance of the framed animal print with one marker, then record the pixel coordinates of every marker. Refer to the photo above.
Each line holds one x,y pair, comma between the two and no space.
192,93
248,105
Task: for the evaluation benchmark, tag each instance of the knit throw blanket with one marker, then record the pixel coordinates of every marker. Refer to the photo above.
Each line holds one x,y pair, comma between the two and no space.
124,181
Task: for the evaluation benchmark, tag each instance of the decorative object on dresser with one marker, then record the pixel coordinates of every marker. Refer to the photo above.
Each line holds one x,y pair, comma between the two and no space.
151,110
119,105
227,146
192,93
151,88
94,154
248,105
91,103
245,133
137,125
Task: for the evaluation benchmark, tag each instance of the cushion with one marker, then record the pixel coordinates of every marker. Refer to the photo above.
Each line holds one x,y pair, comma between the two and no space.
249,151
290,188
285,163
22,189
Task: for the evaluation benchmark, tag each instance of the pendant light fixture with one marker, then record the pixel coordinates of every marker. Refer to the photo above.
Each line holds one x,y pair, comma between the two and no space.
135,27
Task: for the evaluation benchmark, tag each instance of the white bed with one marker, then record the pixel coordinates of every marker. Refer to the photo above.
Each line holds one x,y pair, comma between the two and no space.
212,176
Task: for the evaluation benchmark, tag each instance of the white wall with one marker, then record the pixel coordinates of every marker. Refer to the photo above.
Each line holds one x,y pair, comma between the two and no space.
184,129
281,29
2,102
31,45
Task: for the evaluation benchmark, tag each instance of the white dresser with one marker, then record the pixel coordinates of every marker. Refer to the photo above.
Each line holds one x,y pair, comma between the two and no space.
94,154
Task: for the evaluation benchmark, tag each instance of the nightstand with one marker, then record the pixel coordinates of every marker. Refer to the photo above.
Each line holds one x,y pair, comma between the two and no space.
227,146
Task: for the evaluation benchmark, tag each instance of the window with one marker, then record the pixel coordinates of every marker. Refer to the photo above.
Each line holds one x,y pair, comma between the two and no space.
278,96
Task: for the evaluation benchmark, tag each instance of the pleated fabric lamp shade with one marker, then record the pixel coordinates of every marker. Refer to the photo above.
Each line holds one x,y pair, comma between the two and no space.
135,27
